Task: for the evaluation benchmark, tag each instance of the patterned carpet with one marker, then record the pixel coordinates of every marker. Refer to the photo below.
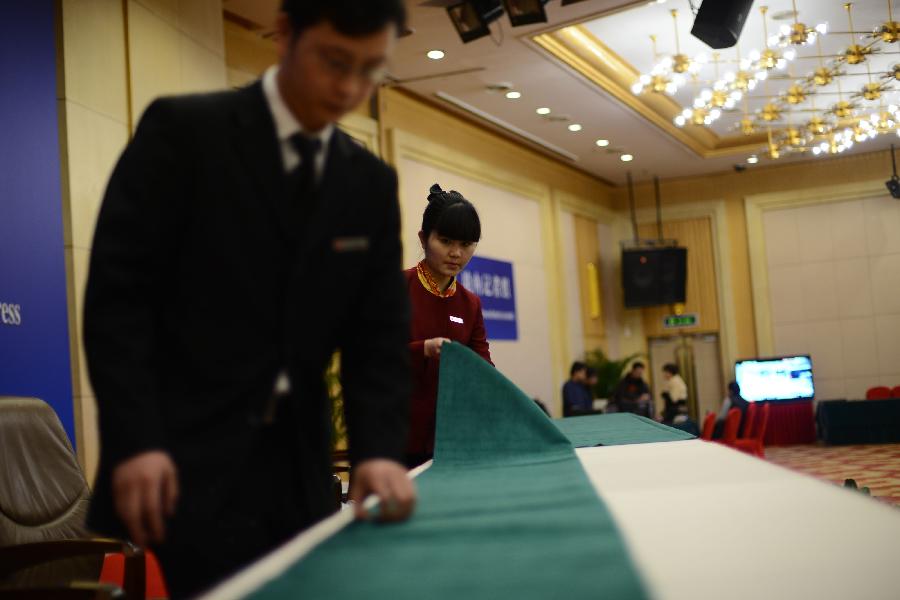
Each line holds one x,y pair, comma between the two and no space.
873,465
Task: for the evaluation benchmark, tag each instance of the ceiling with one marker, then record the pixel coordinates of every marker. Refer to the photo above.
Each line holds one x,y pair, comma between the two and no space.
510,58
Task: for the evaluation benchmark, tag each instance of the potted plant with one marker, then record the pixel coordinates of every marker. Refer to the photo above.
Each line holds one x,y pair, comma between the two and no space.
609,371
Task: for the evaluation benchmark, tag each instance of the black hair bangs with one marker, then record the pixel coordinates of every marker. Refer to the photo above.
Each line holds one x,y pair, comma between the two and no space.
459,221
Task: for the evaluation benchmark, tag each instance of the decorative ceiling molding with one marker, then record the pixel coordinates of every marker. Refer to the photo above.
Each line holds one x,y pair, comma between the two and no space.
581,51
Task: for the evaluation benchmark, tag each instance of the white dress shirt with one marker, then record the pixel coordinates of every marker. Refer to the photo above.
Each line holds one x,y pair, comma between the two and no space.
287,125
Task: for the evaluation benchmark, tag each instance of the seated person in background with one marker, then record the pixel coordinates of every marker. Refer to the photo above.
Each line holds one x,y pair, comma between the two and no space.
733,399
633,394
576,396
674,394
591,384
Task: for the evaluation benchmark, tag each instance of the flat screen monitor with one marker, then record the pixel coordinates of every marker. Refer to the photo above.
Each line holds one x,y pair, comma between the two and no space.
780,378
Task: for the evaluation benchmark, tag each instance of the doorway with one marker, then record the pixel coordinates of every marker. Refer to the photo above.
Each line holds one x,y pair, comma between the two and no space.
698,358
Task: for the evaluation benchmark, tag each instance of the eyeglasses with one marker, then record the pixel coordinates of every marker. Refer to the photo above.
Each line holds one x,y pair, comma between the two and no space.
341,68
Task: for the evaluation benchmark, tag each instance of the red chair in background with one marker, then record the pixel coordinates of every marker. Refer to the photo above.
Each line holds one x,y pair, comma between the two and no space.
709,425
878,393
895,391
730,431
113,571
748,422
755,444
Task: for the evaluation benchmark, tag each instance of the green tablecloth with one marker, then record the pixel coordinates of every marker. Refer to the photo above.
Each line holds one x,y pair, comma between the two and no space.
505,511
617,429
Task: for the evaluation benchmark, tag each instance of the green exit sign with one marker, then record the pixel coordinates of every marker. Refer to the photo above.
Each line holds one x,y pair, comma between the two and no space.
689,320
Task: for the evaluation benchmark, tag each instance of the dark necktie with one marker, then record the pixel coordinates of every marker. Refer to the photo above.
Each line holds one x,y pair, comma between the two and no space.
301,182
305,174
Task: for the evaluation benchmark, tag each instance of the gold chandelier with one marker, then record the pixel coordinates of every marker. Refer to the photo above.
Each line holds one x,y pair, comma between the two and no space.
671,72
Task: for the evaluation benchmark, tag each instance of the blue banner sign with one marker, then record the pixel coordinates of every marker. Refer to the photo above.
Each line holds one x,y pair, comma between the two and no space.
34,327
492,281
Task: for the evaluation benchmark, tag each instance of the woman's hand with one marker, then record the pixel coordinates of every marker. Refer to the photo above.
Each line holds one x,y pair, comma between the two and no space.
433,346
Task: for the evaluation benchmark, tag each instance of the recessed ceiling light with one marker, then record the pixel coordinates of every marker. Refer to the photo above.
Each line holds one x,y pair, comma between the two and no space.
543,111
513,95
435,54
574,127
626,158
753,159
602,143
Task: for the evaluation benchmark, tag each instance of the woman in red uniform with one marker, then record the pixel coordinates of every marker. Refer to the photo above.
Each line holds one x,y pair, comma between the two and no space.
442,309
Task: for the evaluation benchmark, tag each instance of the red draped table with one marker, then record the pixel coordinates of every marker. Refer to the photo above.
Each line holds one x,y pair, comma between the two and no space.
791,423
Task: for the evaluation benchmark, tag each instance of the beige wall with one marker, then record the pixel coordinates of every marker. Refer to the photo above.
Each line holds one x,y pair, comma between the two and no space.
826,271
729,190
114,58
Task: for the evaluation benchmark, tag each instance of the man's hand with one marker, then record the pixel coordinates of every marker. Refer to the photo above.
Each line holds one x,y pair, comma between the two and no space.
433,346
387,480
145,491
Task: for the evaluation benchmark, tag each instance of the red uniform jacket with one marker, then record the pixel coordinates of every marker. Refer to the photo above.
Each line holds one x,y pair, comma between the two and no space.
433,316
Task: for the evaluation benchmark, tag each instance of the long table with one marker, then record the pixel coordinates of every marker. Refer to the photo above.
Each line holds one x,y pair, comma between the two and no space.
617,429
859,421
705,521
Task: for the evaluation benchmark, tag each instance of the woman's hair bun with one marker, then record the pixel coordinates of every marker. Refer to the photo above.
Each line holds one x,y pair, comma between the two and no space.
435,192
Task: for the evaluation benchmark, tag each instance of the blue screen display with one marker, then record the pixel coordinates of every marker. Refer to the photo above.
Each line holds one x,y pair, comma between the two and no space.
784,378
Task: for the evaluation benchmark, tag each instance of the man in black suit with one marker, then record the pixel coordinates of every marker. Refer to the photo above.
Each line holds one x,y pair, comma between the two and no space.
242,240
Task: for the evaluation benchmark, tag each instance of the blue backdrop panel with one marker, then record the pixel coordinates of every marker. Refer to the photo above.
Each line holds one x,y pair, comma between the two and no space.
34,338
492,281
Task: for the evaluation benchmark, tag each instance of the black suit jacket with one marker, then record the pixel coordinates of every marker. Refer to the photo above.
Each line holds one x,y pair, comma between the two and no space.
200,292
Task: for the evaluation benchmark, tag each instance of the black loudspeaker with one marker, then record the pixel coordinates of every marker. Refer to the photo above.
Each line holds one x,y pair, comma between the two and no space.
893,186
719,22
654,276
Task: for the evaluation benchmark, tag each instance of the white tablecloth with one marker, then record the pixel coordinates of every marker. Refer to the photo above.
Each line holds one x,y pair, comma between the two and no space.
704,521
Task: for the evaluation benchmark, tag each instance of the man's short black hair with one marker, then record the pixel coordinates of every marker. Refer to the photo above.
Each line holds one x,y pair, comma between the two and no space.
353,18
577,366
637,365
670,368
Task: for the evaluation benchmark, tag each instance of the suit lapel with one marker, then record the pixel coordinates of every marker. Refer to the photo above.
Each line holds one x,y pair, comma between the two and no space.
333,195
257,145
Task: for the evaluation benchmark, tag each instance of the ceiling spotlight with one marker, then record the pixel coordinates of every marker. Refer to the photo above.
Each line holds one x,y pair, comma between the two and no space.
513,95
753,159
574,127
602,143
626,158
543,111
525,12
472,18
435,54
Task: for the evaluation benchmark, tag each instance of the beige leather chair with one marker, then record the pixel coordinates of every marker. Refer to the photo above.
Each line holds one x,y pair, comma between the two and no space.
44,544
